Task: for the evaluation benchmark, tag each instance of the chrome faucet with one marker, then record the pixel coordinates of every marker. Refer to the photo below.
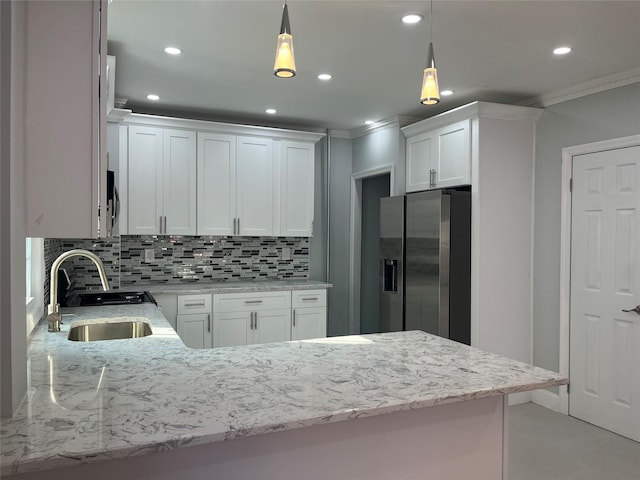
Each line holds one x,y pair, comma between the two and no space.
54,317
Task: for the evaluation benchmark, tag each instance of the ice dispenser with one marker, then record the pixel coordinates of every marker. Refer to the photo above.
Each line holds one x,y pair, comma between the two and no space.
390,275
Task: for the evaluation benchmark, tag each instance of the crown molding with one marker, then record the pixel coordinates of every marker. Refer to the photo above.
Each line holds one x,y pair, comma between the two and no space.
340,134
396,121
600,84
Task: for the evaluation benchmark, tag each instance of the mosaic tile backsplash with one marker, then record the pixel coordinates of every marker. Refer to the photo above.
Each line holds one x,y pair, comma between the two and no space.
181,259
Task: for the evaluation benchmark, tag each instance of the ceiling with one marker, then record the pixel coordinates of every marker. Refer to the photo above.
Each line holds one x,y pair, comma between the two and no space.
498,51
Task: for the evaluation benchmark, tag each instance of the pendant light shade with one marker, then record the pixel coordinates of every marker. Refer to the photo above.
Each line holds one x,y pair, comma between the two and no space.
430,93
285,65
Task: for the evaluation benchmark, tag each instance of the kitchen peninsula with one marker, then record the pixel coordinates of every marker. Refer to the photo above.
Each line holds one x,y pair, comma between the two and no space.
399,405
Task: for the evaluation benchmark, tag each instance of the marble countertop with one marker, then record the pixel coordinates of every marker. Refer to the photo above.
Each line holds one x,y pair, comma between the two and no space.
95,401
228,287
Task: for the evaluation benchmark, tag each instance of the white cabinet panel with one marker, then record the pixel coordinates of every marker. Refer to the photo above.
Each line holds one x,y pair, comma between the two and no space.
308,298
167,303
188,304
418,162
179,182
195,330
216,184
253,301
296,188
162,181
453,157
232,328
254,177
308,323
65,151
272,326
440,158
145,173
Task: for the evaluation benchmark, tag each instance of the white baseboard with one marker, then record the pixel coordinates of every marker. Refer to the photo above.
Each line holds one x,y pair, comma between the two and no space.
546,399
518,398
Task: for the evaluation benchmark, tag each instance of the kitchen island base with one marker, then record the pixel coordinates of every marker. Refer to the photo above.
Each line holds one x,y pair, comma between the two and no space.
463,440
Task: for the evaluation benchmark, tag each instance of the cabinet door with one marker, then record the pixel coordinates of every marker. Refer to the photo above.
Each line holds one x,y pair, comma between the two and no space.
232,328
296,188
453,155
309,323
168,305
272,326
65,156
195,330
254,193
179,193
216,184
145,180
418,162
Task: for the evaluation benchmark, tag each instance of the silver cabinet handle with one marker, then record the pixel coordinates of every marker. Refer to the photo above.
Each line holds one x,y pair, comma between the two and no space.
238,226
235,221
294,318
165,224
256,319
308,299
251,320
635,309
250,302
160,228
208,322
194,304
432,178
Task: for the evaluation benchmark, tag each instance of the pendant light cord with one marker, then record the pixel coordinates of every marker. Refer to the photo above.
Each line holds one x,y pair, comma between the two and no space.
430,21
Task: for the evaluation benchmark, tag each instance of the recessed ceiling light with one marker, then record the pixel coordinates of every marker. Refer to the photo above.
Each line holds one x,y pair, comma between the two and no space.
325,76
173,50
369,122
153,96
562,50
446,93
412,18
270,111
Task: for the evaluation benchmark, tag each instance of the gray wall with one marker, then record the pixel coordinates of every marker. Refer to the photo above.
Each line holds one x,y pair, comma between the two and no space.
13,325
340,199
373,189
318,243
602,116
379,148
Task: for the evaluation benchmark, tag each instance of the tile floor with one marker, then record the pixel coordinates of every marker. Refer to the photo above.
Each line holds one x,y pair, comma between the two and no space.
545,445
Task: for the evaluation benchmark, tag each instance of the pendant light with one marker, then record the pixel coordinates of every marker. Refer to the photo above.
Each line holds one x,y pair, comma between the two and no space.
430,93
285,66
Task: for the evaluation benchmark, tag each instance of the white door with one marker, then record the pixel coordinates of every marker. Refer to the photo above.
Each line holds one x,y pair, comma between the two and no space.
180,182
145,164
418,163
605,280
195,330
216,184
231,329
309,323
296,188
453,155
254,169
272,326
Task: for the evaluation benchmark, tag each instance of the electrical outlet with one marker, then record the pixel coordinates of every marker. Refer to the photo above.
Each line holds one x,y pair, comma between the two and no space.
149,255
286,253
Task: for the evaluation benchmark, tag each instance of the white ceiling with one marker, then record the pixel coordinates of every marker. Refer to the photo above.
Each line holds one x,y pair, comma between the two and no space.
485,50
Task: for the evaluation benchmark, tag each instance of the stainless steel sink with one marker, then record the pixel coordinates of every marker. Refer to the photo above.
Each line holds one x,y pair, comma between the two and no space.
109,330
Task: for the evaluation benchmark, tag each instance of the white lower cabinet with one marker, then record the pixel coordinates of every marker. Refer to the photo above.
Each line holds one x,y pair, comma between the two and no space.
308,314
193,322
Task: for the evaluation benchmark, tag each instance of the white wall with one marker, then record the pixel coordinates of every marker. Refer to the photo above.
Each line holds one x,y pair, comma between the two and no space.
602,116
13,335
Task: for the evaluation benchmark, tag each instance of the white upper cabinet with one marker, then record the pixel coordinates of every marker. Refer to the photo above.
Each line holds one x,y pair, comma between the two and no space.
65,117
162,181
254,183
191,177
216,184
296,188
439,158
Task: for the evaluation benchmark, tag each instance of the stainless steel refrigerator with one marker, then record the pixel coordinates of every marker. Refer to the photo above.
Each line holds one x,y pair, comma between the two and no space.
425,263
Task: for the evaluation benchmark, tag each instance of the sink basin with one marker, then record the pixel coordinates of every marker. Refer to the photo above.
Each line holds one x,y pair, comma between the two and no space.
111,330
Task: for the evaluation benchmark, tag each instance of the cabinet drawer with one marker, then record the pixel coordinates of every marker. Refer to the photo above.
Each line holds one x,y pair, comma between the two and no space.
237,302
308,298
194,304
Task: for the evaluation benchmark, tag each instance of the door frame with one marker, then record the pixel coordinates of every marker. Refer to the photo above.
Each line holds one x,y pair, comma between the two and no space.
565,245
355,237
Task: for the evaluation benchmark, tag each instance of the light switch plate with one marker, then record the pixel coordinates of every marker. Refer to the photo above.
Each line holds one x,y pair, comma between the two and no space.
286,253
149,255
